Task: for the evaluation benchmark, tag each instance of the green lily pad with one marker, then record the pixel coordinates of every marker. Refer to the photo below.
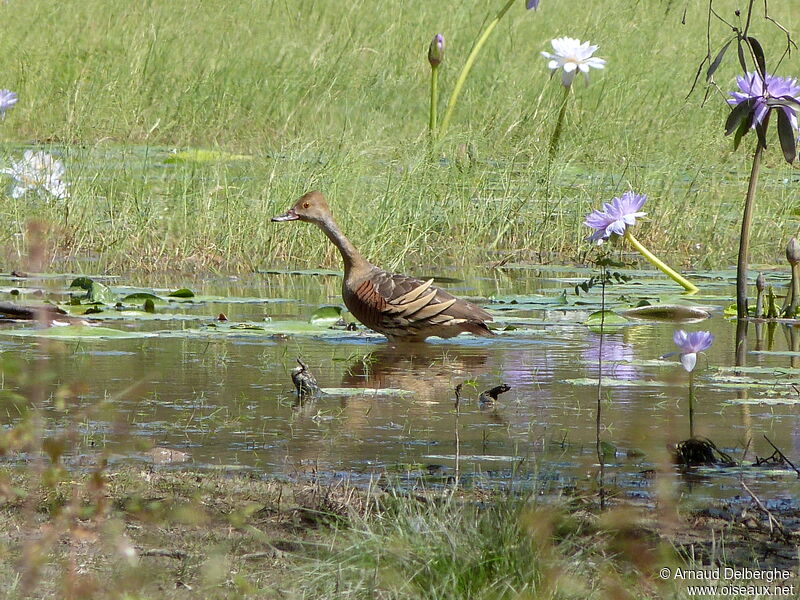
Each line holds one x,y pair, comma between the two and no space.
605,321
668,312
764,401
77,332
349,392
326,315
325,272
142,297
181,293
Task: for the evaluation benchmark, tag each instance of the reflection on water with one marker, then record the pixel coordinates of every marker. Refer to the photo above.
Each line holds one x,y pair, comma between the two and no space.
230,402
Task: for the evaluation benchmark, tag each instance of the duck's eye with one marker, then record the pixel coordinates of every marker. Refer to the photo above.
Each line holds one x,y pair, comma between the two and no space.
306,205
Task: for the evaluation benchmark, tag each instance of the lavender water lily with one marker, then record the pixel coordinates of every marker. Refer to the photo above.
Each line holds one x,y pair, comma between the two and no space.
690,345
757,98
615,219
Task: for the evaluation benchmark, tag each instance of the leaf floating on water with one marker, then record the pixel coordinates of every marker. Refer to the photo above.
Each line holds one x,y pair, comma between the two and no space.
325,272
138,297
365,392
668,312
181,293
77,332
764,401
606,321
326,315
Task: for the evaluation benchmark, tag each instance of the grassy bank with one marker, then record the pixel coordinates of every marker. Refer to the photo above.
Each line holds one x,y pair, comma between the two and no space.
336,98
132,532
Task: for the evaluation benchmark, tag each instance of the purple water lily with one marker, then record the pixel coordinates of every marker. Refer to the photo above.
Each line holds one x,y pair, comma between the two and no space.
7,100
690,344
532,4
615,216
761,90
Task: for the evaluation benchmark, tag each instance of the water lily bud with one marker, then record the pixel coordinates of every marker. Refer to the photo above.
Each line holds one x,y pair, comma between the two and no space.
761,282
793,251
436,50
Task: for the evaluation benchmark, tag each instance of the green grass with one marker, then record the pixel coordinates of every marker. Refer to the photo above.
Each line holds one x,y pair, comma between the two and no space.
334,96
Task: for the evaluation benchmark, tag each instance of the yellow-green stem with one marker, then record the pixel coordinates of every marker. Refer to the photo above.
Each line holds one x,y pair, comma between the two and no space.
434,97
655,261
462,77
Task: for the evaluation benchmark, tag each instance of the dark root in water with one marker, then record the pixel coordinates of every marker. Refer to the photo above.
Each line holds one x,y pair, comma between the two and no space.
697,451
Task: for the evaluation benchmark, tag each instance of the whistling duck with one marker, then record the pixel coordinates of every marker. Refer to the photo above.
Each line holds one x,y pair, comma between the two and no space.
400,307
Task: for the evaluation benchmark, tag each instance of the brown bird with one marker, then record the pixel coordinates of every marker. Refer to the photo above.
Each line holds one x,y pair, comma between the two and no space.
400,307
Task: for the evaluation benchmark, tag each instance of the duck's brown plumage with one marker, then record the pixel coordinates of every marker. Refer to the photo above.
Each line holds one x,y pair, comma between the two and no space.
400,307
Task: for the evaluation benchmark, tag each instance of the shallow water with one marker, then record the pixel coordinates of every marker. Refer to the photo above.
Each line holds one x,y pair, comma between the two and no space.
226,397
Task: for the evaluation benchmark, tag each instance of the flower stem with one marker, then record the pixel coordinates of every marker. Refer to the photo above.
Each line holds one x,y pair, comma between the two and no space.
462,77
672,274
556,137
434,98
744,237
691,404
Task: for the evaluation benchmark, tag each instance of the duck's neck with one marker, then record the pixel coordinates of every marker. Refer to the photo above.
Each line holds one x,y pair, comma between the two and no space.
349,253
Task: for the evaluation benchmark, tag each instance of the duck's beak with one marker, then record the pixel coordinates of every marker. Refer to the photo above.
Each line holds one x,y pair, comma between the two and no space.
289,215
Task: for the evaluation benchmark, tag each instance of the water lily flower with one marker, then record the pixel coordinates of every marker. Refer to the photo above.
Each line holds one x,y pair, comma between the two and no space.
571,55
615,216
690,344
38,171
762,89
7,101
532,4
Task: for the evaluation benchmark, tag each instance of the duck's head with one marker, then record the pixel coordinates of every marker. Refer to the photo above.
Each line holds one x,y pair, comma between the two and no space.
311,207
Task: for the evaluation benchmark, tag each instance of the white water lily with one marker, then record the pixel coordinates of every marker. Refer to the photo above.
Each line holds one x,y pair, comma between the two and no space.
40,172
572,56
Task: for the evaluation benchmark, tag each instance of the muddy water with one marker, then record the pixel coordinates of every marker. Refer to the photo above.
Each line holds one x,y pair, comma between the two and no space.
229,401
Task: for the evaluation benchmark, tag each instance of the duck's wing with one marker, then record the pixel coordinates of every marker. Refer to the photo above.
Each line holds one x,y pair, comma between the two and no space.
414,303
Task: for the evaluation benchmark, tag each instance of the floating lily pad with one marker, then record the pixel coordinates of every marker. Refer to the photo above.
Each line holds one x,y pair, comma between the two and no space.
77,332
141,297
668,312
325,272
613,382
764,401
326,315
181,293
388,392
605,321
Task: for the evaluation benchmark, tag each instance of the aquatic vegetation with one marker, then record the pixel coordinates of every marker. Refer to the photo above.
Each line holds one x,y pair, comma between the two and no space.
39,172
570,56
615,219
758,94
8,100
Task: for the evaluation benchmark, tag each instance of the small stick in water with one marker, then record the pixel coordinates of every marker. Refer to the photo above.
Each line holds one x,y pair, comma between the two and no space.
761,285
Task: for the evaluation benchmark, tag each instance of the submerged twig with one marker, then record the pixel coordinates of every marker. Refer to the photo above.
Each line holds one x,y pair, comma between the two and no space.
783,456
770,518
